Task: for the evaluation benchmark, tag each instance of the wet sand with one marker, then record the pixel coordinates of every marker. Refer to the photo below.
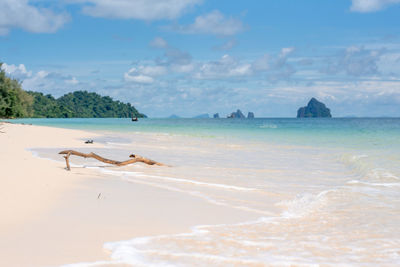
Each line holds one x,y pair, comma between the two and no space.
50,216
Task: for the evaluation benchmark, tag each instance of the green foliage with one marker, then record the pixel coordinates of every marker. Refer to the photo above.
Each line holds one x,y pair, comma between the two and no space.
45,106
91,105
81,104
14,102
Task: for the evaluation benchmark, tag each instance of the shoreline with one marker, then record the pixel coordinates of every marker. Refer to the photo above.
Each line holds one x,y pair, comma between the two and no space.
55,217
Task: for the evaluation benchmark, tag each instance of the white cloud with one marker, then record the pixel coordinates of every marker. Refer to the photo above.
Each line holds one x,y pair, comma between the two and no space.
213,23
286,51
138,78
355,61
55,83
174,57
72,81
283,56
21,14
275,66
228,45
49,80
144,74
263,63
305,62
186,68
159,42
177,60
42,74
136,9
226,67
365,6
17,72
153,70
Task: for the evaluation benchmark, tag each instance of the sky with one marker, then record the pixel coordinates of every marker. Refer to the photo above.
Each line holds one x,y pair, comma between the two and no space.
189,57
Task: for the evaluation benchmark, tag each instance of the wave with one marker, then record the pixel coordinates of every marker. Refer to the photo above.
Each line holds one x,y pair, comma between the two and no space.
364,168
132,177
308,233
374,184
180,180
268,126
304,204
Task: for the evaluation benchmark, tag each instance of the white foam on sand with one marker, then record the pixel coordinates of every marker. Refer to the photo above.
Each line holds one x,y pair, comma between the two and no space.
137,177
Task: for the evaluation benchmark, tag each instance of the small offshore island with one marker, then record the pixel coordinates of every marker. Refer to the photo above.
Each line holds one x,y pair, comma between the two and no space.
239,115
314,109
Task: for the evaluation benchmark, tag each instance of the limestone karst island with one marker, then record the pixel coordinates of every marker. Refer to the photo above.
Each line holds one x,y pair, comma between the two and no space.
314,109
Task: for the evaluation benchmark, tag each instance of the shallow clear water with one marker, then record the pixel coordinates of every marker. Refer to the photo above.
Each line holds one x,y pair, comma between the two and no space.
326,191
349,132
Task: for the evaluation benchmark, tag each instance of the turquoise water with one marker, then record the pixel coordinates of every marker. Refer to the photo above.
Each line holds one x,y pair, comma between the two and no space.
378,133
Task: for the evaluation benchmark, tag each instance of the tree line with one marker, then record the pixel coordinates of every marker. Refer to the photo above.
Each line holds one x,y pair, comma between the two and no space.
17,103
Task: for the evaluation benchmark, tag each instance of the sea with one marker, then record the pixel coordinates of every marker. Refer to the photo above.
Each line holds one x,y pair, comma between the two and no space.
326,191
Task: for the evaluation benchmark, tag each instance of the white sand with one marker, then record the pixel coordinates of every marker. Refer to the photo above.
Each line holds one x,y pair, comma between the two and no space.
50,216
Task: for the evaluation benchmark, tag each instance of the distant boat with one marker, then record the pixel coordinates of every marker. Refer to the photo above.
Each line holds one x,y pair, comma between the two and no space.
134,119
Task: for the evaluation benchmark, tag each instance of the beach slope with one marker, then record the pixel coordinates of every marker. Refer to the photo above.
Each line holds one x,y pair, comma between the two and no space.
50,216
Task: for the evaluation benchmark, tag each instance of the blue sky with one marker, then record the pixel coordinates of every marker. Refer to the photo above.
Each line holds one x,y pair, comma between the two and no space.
189,57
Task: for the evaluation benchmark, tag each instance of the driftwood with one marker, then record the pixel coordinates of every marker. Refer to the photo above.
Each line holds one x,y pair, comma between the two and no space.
135,158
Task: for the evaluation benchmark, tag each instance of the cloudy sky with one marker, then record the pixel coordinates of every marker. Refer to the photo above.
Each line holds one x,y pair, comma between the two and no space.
189,57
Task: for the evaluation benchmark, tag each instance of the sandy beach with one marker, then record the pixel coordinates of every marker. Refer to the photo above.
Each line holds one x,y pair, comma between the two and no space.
51,217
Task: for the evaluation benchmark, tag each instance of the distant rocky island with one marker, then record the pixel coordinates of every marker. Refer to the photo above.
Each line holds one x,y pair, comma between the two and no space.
239,115
314,109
